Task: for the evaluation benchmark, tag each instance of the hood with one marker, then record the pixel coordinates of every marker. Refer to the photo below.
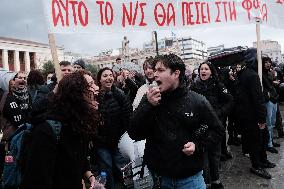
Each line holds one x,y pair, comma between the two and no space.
5,77
250,58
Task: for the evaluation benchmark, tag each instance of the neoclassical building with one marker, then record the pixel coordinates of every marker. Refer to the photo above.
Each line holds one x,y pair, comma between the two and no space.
17,54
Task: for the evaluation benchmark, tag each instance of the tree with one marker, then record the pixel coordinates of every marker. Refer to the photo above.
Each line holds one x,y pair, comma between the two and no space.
94,69
48,67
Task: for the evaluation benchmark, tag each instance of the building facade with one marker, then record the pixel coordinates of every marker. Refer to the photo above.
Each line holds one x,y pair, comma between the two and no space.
192,49
271,49
186,47
22,55
216,49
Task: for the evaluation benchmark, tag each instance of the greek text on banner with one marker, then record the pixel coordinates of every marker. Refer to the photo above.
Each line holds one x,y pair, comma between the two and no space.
65,16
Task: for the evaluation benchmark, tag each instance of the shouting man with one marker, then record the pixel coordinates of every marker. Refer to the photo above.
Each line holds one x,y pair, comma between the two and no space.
176,124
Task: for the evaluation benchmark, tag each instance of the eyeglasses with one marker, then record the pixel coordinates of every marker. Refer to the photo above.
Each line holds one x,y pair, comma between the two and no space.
24,78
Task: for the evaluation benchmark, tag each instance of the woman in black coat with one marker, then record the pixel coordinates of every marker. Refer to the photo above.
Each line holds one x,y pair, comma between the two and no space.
209,86
52,162
115,110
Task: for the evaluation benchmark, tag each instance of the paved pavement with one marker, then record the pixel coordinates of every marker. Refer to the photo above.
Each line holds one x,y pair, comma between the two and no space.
235,173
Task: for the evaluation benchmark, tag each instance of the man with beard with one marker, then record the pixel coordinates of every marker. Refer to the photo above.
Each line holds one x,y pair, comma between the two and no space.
15,106
177,123
20,92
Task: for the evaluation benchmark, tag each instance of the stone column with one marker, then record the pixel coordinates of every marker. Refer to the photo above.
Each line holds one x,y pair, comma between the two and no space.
27,62
36,62
16,61
5,59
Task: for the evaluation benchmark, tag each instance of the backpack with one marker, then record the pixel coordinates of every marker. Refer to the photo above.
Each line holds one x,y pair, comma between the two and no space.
17,152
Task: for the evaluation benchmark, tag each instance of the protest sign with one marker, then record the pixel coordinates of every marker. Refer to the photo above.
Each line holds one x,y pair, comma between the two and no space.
87,16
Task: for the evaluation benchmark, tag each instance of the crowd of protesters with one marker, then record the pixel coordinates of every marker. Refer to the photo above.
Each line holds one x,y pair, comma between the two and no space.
183,119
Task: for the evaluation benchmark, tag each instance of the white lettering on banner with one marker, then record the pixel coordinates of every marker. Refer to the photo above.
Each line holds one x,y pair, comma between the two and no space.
65,16
280,1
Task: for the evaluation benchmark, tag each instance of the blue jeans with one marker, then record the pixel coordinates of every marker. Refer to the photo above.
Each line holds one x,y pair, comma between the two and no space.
194,182
271,109
106,160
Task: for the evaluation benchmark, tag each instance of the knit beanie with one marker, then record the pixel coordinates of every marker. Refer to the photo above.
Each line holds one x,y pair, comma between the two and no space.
80,62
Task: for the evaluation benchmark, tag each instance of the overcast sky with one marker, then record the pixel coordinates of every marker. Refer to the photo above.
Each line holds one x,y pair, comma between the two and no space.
25,20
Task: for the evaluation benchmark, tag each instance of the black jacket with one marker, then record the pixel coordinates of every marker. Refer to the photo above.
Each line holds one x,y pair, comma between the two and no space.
217,94
12,111
50,165
269,91
130,89
115,110
170,125
250,105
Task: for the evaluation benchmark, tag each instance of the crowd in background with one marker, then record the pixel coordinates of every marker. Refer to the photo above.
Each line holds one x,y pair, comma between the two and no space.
183,118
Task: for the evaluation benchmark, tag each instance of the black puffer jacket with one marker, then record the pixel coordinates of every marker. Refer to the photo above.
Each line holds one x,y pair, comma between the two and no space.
170,125
217,94
115,110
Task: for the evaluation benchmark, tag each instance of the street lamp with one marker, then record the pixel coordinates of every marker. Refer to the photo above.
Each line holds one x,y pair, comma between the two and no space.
156,42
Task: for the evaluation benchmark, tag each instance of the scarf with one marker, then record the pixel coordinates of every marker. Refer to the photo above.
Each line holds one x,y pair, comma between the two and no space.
22,97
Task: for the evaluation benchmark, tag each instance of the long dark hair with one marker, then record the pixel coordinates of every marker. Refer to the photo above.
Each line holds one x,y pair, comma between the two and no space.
214,73
70,100
100,74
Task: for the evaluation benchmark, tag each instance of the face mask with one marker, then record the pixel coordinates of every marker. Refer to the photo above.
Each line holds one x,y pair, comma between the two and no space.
49,82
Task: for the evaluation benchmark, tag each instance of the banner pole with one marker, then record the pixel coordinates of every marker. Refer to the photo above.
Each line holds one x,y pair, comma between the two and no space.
54,54
259,50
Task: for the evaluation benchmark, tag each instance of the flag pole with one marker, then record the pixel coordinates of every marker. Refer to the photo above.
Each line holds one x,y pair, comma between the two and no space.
259,60
54,54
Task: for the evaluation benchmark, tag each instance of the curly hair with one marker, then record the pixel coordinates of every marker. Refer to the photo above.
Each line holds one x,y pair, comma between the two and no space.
70,99
35,78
